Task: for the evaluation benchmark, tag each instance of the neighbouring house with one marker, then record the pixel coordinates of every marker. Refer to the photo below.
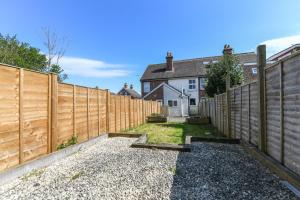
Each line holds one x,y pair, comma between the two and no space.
250,69
284,53
180,84
125,91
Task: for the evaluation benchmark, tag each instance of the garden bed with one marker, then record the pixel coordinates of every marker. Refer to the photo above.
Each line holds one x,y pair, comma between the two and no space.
174,133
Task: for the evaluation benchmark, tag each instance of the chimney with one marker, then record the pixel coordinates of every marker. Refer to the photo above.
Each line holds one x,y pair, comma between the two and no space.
169,60
125,85
227,49
131,86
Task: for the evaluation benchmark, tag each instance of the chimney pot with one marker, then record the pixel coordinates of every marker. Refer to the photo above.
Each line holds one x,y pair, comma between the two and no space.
169,61
125,85
227,49
131,86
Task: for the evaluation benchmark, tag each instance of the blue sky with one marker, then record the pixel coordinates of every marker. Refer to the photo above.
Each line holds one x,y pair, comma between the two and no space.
112,42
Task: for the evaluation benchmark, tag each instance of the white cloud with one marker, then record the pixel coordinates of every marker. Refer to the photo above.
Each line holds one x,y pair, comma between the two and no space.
278,44
92,68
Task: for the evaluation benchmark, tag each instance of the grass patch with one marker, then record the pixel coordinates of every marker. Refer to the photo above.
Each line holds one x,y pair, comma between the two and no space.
173,132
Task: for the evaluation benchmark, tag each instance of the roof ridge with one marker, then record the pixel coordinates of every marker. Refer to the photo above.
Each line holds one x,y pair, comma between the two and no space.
201,58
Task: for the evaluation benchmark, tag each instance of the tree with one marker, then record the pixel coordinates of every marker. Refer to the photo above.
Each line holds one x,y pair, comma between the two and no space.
227,66
21,54
14,52
56,48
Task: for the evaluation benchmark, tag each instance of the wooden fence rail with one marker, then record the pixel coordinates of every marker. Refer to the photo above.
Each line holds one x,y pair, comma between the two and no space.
37,114
277,132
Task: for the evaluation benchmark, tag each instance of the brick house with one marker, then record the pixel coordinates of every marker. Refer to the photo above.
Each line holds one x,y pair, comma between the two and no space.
125,91
180,84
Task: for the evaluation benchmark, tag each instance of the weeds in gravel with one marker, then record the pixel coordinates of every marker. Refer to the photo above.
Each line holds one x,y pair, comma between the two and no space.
35,172
174,171
71,141
76,175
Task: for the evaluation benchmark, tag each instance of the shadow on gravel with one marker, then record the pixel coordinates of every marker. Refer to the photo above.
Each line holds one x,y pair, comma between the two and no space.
223,171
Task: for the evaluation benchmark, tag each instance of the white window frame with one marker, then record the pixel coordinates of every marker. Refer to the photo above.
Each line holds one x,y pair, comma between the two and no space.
254,70
146,87
202,83
192,84
172,103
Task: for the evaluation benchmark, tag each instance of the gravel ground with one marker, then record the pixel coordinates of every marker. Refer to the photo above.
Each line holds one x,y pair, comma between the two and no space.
112,170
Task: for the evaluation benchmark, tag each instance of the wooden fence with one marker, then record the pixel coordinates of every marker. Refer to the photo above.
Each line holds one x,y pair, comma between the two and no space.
37,114
280,124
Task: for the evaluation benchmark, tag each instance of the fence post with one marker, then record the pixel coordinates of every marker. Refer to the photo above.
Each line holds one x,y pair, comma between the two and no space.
281,114
107,109
88,112
228,98
129,112
49,114
21,121
249,113
54,99
261,63
74,111
98,103
241,114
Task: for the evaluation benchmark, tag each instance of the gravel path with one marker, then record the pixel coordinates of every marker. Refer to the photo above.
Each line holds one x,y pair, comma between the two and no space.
112,170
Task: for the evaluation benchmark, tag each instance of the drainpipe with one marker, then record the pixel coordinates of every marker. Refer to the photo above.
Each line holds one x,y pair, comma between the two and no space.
181,106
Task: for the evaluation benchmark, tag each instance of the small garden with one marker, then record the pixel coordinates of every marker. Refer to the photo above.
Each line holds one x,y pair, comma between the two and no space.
174,132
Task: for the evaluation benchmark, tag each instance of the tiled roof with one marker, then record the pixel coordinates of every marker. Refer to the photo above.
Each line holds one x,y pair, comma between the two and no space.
190,67
131,92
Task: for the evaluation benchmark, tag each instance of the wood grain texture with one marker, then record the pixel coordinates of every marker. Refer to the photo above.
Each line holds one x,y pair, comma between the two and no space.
81,114
35,115
65,113
273,112
9,117
291,113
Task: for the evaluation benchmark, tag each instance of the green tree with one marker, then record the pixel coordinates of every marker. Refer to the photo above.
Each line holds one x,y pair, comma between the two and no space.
228,65
14,52
21,54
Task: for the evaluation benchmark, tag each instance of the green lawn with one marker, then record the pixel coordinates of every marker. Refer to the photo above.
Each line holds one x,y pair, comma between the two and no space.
172,132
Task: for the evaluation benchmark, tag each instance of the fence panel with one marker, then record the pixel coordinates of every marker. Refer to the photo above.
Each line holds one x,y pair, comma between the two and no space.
245,113
81,112
291,113
254,113
273,111
93,121
112,114
9,120
102,110
65,113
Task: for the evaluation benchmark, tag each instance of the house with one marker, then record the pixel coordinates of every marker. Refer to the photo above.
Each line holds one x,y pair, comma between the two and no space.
125,91
250,69
180,84
284,53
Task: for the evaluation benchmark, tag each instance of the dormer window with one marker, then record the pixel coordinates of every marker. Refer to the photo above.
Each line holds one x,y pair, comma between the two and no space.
192,84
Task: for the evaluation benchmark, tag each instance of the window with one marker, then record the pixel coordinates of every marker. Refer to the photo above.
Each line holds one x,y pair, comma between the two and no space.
175,103
202,83
172,103
192,84
254,70
146,87
192,101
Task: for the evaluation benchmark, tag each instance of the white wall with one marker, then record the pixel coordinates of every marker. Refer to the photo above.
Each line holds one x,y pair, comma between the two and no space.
182,104
184,84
